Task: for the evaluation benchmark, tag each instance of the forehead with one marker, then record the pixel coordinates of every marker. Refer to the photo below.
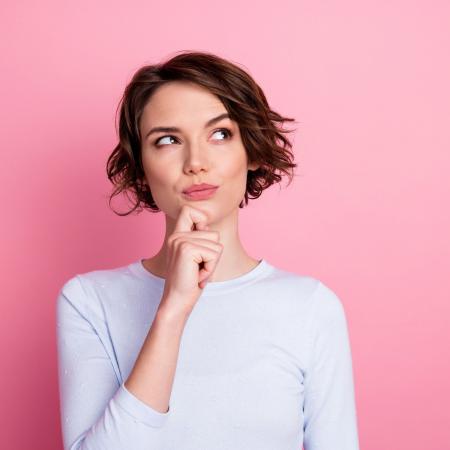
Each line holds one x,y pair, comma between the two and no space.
181,101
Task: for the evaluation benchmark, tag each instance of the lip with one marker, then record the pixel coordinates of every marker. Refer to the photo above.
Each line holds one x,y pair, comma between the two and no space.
199,187
202,194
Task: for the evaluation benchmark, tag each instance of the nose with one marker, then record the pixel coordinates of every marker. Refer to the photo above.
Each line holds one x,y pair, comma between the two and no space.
196,158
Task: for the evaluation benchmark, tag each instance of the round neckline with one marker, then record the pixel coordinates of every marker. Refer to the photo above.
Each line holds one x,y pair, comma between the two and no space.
213,287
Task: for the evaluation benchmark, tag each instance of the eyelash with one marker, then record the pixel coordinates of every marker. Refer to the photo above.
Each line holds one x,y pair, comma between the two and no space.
227,131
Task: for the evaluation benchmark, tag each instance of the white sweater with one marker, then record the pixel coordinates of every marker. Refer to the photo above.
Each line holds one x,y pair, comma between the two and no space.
264,364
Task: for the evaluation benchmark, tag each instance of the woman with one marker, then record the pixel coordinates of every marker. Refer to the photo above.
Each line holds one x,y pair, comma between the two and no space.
201,346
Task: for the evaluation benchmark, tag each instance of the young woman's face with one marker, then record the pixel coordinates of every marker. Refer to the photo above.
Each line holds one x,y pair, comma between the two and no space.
196,153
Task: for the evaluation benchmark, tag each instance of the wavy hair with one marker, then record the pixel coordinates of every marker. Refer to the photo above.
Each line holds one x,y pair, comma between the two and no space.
262,136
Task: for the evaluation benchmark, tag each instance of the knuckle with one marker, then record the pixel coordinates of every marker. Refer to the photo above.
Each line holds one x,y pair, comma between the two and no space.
173,235
184,246
177,242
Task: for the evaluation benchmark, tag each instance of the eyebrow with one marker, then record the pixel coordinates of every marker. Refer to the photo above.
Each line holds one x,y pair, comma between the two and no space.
175,129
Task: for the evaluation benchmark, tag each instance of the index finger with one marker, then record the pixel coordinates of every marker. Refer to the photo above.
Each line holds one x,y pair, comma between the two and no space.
190,216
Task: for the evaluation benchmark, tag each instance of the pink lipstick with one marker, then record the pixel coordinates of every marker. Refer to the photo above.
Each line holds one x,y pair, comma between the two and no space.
202,194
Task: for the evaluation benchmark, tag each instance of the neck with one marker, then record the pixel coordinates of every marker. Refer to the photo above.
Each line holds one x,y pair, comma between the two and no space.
233,262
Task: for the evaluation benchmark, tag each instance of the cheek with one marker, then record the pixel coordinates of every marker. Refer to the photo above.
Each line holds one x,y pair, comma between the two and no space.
159,180
158,173
234,173
234,166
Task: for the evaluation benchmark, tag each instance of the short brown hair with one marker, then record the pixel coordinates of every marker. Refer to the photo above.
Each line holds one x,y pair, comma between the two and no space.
244,101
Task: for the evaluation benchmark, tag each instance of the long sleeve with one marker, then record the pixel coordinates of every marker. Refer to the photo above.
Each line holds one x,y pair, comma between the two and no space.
330,420
97,411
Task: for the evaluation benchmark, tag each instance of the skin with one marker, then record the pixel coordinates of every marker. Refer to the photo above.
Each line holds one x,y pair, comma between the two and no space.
196,155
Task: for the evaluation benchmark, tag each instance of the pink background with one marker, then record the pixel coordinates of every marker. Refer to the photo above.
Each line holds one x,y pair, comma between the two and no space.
368,212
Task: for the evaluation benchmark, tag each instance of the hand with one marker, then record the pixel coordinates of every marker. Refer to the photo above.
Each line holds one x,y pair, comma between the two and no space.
193,254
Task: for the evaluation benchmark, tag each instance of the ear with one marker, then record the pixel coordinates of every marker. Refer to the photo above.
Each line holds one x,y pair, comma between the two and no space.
253,166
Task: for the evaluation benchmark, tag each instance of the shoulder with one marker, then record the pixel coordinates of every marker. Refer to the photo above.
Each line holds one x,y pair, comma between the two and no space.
84,290
307,288
290,285
327,304
328,322
322,303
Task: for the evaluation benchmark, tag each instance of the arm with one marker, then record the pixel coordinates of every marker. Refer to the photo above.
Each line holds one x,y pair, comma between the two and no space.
151,378
97,412
329,406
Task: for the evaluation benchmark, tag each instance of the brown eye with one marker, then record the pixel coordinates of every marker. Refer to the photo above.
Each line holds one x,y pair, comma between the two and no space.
226,131
163,137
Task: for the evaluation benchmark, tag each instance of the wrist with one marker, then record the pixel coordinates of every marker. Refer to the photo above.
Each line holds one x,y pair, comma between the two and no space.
171,315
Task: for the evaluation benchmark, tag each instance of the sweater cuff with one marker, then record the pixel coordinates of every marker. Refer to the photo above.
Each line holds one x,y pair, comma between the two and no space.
138,409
